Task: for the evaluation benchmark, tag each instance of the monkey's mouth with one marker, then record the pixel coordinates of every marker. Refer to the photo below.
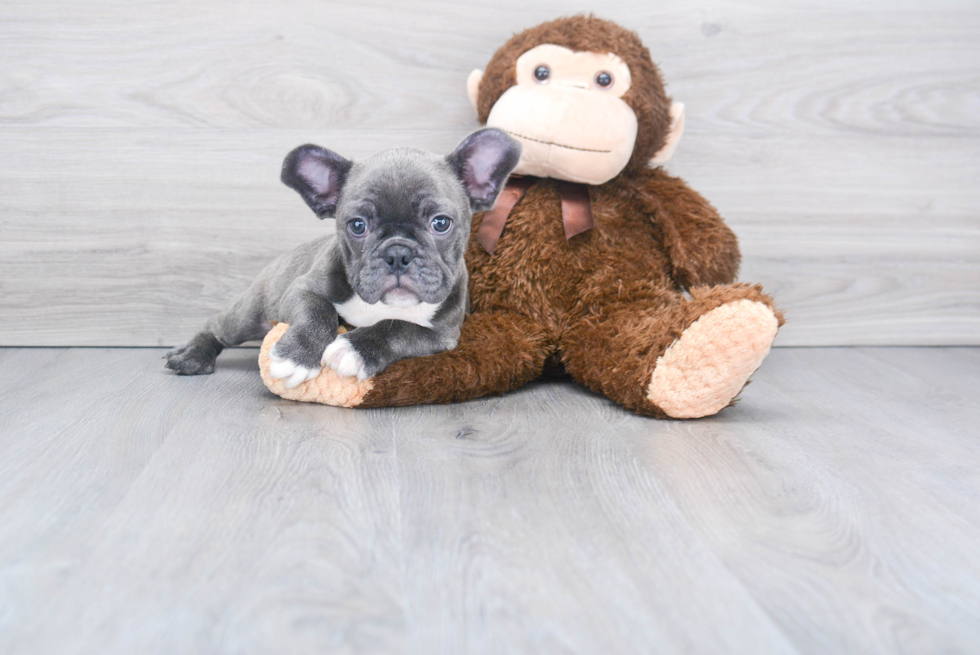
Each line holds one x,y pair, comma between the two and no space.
557,145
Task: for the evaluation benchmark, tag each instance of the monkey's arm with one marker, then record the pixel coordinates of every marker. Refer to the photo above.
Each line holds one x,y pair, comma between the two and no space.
701,248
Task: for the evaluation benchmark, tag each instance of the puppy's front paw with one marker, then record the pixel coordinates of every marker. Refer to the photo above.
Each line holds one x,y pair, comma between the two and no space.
290,372
343,358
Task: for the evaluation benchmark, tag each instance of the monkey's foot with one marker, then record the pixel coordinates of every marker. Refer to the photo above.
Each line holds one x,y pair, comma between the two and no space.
709,364
327,388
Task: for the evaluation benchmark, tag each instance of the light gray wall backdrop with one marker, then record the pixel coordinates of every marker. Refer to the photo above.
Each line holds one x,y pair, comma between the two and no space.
140,145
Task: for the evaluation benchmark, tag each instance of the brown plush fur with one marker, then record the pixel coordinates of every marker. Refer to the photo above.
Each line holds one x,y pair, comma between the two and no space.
607,303
589,34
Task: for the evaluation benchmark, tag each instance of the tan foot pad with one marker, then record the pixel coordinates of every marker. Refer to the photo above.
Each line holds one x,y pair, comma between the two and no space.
705,368
327,388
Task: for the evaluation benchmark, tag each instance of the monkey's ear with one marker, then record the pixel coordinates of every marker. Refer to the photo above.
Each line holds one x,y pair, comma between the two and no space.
482,162
473,86
318,175
673,135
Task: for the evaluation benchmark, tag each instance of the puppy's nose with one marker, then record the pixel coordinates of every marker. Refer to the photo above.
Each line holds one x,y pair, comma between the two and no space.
397,258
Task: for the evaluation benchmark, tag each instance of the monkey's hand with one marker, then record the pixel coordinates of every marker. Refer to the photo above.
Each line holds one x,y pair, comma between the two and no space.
703,251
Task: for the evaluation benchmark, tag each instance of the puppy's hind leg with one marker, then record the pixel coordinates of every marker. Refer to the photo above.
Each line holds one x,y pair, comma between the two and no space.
196,357
242,321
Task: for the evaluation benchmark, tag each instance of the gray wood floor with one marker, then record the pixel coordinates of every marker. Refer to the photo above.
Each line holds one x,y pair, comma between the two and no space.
833,510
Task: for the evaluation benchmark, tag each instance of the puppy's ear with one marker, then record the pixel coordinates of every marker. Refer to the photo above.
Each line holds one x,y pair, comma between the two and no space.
318,175
482,162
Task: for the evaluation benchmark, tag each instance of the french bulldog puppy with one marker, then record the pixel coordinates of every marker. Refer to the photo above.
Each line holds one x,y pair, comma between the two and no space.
394,268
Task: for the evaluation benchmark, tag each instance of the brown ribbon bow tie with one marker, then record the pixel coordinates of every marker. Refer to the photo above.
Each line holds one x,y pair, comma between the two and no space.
576,210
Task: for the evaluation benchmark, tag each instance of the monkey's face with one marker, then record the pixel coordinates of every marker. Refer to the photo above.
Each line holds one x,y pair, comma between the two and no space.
568,112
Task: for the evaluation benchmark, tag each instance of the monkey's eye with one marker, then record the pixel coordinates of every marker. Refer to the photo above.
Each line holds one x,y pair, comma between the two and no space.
357,227
441,224
542,73
603,80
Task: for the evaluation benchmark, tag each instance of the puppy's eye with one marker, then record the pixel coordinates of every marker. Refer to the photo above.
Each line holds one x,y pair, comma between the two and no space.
603,80
441,224
542,73
357,227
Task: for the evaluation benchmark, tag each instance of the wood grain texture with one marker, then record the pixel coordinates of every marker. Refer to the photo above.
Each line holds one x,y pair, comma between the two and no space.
139,187
832,510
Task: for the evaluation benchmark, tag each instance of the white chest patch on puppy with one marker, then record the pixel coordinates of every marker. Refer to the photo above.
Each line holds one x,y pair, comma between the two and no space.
361,314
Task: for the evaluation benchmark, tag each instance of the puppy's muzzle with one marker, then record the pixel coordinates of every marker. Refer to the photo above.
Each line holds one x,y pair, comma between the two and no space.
397,257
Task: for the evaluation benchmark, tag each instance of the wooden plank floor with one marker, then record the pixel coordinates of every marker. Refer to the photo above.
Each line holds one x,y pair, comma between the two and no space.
834,510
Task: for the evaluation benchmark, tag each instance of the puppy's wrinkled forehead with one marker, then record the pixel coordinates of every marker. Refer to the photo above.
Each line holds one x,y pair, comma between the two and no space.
402,179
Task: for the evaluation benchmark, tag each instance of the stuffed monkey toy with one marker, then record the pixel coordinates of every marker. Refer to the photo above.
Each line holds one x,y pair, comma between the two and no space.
586,257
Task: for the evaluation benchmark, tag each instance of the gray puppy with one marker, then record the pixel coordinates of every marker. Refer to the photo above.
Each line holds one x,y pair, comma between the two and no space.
394,269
